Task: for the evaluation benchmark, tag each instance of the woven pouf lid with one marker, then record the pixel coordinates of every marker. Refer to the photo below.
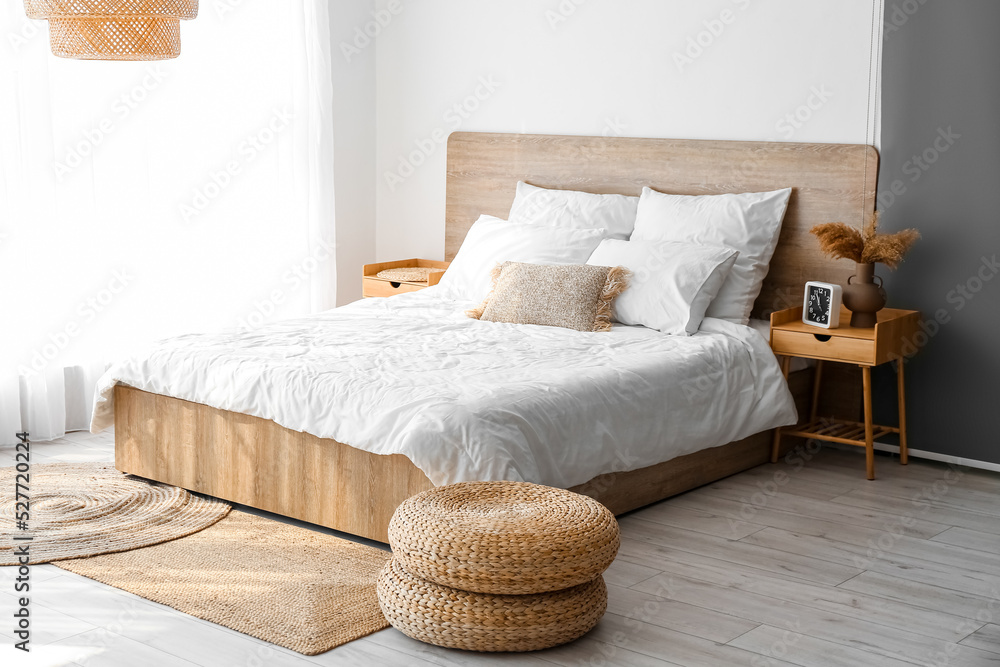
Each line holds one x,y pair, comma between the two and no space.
452,618
505,538
409,274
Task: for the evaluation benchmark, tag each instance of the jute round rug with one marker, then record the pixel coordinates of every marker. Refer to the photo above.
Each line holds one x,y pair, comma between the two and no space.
86,509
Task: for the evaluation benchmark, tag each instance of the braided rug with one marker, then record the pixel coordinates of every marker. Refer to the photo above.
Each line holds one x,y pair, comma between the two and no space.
86,509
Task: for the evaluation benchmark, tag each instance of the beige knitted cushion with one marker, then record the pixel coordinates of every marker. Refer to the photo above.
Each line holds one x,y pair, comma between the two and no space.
574,296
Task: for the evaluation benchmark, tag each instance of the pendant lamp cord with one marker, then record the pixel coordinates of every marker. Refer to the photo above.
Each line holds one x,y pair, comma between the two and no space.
872,62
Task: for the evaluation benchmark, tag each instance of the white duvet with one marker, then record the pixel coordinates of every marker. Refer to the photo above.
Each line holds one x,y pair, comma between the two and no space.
469,400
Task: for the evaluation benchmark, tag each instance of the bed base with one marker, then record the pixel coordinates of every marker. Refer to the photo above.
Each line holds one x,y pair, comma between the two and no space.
255,462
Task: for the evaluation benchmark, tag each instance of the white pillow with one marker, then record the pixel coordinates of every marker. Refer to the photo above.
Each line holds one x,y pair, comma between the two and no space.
672,284
492,240
749,223
574,210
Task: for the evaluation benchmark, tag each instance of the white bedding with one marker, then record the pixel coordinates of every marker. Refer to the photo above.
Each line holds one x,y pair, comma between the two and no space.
469,400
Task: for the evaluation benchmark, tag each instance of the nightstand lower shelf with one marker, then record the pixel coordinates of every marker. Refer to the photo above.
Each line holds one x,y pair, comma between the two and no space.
837,430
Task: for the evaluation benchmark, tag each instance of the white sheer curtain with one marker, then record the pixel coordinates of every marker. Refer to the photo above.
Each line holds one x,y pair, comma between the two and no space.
146,200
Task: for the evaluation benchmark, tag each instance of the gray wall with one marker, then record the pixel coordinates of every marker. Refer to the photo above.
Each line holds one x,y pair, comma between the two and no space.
942,73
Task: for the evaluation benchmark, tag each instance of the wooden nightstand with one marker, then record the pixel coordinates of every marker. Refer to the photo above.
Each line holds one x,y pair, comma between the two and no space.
372,286
866,348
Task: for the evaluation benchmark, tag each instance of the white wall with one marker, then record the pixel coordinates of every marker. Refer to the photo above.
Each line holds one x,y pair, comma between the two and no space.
604,66
353,70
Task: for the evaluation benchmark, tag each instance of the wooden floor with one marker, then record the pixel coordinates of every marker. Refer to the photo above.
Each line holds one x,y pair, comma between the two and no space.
802,563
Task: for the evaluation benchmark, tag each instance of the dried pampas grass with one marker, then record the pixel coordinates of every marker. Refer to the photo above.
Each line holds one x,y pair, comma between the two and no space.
842,241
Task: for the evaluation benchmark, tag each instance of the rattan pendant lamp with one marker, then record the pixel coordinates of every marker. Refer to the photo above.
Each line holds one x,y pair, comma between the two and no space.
114,29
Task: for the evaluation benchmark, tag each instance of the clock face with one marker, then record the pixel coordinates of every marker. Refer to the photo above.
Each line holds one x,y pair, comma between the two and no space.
819,304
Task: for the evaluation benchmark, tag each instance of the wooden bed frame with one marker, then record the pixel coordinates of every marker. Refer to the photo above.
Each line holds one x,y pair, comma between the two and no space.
255,462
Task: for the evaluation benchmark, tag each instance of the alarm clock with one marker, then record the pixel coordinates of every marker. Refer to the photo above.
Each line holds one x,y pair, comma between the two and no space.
821,306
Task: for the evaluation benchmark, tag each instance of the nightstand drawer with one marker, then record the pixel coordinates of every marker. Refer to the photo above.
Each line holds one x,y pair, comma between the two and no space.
373,287
836,348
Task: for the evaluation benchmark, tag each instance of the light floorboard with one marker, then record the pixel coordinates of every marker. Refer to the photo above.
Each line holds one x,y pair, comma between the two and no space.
761,513
808,651
945,489
764,481
986,638
592,653
654,607
876,559
810,482
919,594
698,521
927,509
740,553
770,567
871,514
970,539
669,645
963,581
101,648
844,629
890,541
49,625
625,574
858,605
435,655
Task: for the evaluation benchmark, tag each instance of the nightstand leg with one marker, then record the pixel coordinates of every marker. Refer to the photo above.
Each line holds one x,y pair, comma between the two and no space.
869,430
816,381
904,453
786,365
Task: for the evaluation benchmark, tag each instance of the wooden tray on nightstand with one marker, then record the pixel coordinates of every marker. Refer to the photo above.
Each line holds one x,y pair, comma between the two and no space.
373,286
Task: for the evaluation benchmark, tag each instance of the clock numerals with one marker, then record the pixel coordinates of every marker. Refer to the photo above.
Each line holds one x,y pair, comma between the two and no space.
818,305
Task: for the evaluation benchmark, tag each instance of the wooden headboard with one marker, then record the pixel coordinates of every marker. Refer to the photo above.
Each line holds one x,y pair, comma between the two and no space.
832,182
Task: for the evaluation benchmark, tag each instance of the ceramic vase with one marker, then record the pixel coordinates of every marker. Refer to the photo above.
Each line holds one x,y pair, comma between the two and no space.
864,297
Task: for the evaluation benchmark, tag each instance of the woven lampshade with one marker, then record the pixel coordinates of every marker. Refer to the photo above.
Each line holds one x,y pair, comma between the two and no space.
114,29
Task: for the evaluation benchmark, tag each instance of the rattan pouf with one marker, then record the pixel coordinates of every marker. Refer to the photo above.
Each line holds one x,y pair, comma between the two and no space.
452,618
504,538
498,566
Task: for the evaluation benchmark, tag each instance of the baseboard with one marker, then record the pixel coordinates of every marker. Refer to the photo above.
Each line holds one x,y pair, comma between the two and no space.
943,458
